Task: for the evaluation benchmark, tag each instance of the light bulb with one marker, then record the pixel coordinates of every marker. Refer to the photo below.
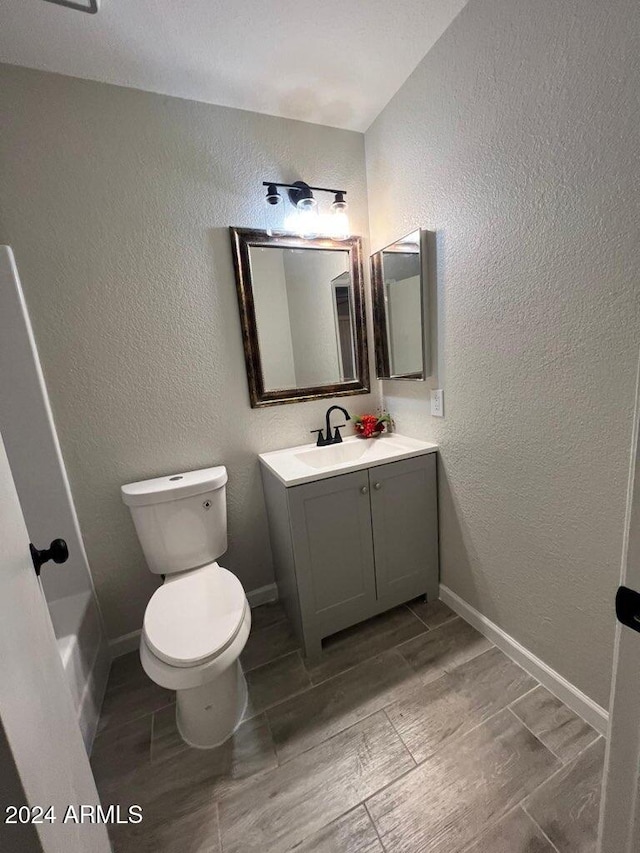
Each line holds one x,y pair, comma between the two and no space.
339,227
307,217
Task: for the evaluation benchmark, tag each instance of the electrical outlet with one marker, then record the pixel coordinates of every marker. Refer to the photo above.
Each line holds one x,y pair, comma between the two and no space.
437,403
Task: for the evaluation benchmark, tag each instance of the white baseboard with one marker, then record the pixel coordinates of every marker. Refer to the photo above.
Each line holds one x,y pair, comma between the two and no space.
568,693
93,695
263,595
124,644
130,642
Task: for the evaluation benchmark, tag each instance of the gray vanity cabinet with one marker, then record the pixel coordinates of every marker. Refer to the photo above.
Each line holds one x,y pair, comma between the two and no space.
404,512
351,546
333,548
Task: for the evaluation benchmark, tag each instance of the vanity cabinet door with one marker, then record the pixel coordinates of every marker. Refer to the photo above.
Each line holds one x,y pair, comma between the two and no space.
405,529
333,546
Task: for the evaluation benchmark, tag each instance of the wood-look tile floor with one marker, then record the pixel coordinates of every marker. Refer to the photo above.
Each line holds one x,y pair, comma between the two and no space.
413,733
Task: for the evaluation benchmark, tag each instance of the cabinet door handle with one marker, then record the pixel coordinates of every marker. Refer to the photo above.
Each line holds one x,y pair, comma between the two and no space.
364,490
377,486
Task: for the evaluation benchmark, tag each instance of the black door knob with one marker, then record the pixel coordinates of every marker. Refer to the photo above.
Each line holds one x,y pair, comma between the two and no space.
57,551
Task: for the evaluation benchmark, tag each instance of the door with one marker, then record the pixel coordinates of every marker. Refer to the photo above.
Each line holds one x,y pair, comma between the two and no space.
39,473
405,529
343,320
620,818
331,527
49,765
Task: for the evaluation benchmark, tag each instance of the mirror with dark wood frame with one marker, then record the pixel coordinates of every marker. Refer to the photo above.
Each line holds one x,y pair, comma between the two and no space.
302,313
400,308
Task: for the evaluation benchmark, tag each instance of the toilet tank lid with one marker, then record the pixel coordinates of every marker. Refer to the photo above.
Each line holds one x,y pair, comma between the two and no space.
174,486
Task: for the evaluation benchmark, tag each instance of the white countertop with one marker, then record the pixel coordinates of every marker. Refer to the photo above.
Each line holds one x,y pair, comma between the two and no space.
307,463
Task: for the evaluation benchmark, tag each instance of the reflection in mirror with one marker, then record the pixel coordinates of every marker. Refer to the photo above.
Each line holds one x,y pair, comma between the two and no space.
400,308
343,317
301,307
302,301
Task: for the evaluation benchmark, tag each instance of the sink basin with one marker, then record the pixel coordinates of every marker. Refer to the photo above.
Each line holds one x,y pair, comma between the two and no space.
335,454
297,465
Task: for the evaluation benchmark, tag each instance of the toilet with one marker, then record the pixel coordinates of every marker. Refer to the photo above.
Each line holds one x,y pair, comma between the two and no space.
197,623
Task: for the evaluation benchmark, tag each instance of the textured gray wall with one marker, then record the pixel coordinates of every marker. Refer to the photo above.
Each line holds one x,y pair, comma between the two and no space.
516,140
117,204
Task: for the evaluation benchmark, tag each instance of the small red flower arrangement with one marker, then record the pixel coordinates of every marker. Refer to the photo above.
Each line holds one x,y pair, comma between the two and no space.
370,426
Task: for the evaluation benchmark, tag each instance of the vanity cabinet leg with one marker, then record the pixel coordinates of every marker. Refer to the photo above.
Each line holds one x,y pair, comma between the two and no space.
433,589
313,649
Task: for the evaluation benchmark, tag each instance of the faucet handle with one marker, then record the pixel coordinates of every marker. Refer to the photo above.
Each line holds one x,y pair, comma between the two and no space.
320,440
337,438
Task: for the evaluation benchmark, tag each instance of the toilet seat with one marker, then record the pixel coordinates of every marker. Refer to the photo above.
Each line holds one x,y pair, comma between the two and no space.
194,616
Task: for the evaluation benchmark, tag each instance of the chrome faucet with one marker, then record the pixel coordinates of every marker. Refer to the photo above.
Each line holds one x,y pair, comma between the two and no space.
326,438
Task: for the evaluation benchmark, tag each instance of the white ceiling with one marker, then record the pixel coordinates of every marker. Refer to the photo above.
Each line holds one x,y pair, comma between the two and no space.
334,62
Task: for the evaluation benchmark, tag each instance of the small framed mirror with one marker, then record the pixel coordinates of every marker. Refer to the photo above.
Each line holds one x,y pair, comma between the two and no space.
399,278
302,313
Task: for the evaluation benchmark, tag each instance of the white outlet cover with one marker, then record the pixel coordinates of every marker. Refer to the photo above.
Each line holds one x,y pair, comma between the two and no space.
437,403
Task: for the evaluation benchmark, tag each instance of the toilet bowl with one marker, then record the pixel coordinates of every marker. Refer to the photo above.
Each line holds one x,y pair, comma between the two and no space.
195,627
197,623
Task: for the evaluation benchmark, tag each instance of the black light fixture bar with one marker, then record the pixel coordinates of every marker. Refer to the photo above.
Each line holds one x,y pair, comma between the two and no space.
297,187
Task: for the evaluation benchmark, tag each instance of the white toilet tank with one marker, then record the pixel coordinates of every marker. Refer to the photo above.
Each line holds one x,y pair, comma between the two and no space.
181,519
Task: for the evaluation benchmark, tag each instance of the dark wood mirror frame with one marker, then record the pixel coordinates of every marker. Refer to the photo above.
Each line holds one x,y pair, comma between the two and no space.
383,361
242,239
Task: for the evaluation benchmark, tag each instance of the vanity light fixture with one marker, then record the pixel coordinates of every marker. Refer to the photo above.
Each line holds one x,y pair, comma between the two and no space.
306,220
